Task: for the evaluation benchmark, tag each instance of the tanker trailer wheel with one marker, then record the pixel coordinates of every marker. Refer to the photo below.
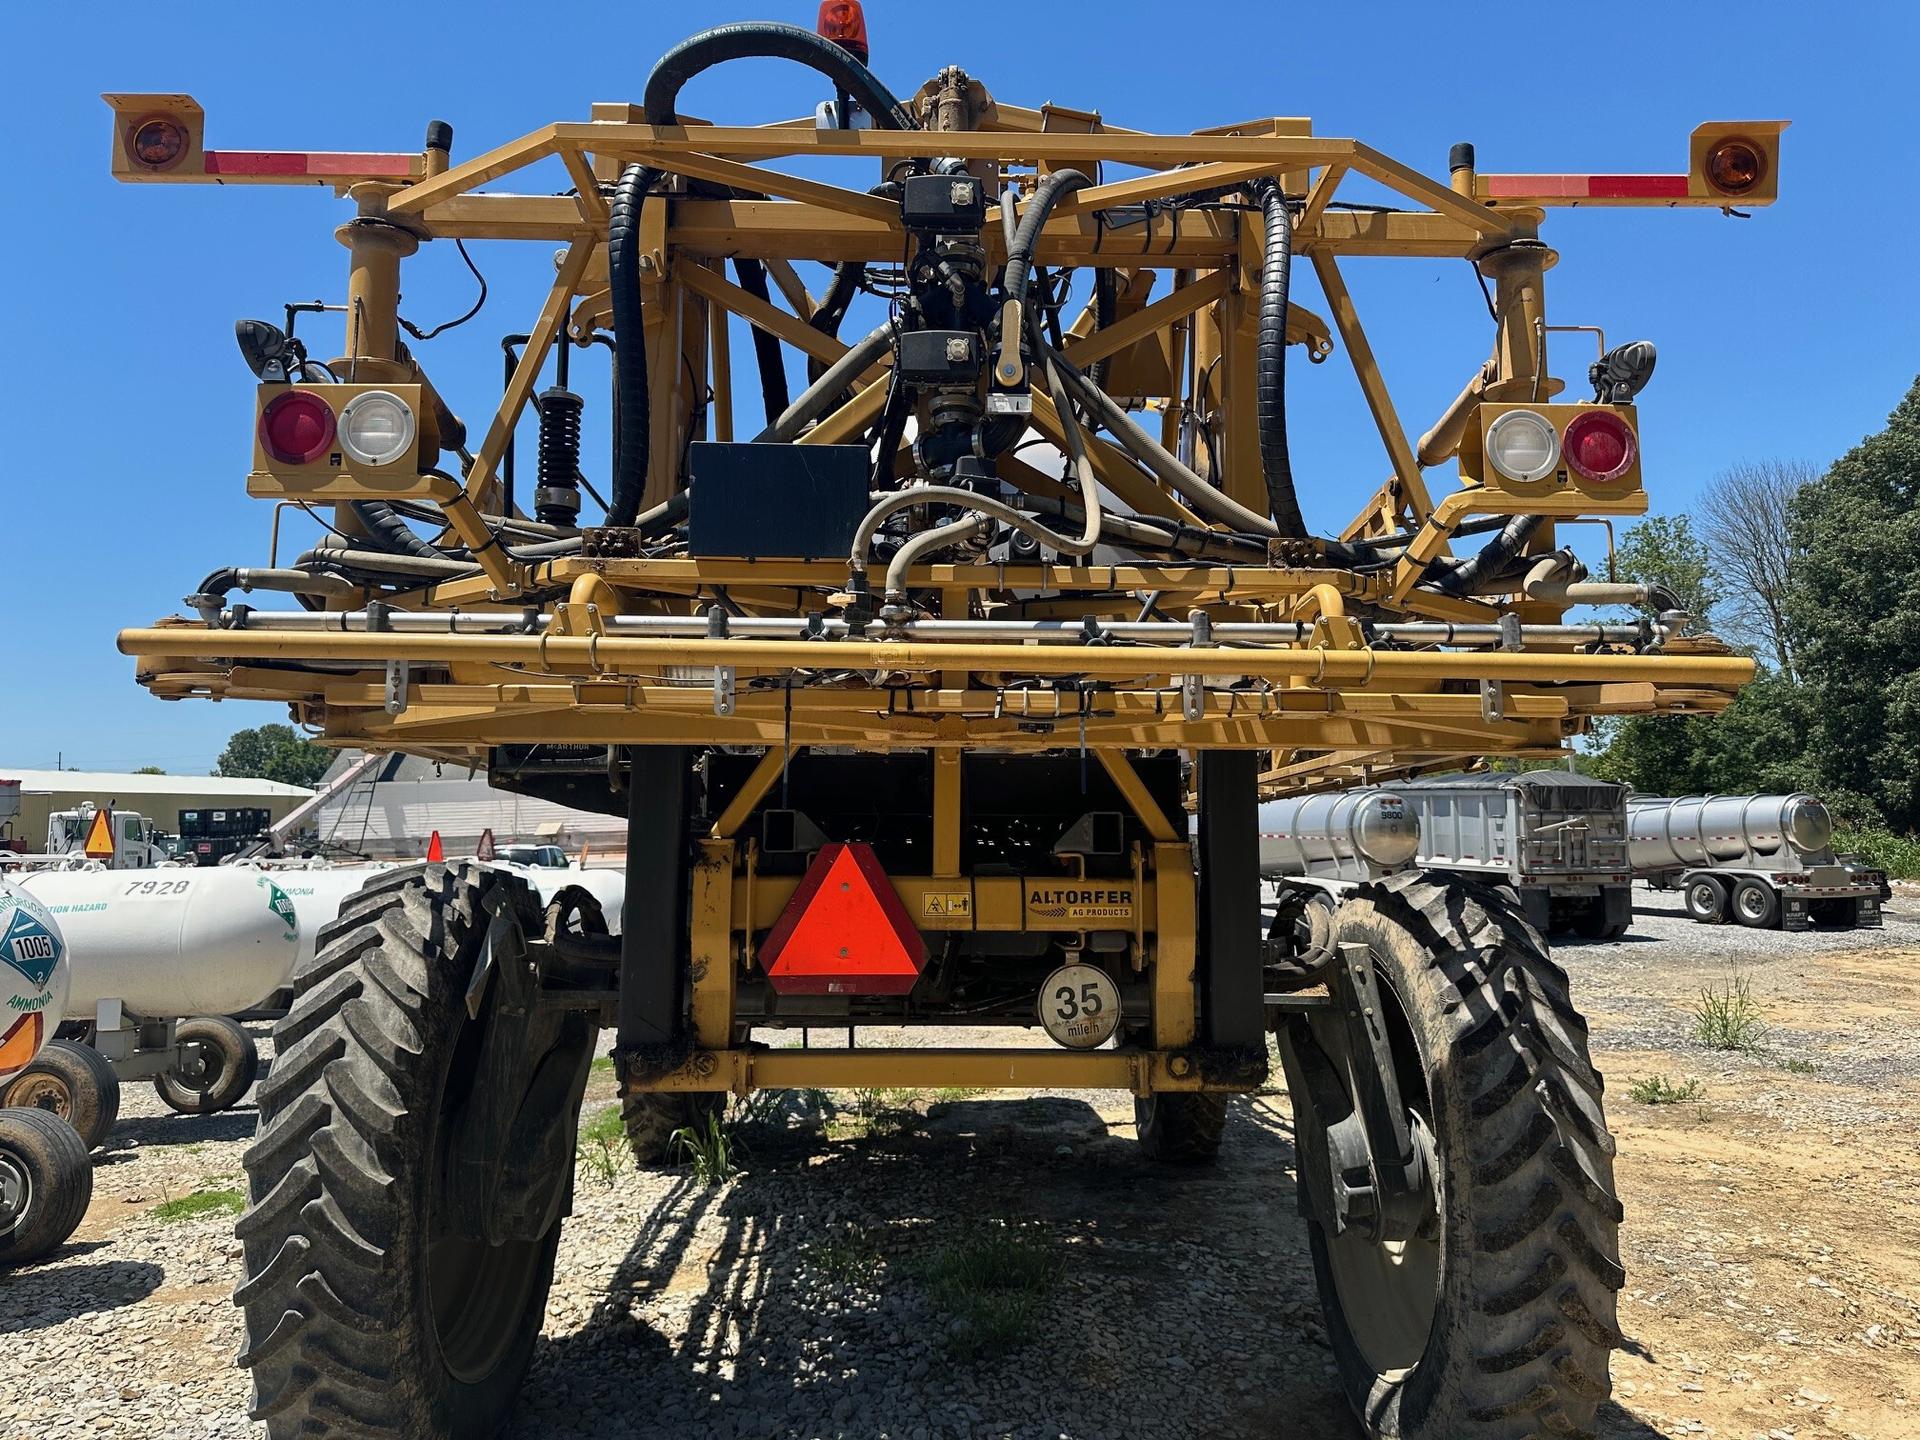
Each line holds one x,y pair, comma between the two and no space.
1180,1127
397,1268
1492,1312
1707,899
1756,905
72,1081
46,1183
229,1063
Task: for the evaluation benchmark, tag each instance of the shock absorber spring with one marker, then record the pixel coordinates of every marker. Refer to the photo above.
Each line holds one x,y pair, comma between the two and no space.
557,500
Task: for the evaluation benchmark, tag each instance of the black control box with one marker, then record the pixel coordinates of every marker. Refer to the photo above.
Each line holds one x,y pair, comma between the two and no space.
938,357
774,502
943,204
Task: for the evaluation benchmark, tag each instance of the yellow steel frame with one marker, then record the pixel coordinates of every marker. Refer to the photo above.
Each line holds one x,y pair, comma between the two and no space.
1328,707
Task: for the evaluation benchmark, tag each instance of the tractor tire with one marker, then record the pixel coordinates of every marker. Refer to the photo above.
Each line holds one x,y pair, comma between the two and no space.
73,1081
653,1118
367,1311
1180,1127
1756,905
1495,1321
230,1064
46,1184
1707,899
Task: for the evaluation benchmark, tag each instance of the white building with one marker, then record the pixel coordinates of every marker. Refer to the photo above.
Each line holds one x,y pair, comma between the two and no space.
392,807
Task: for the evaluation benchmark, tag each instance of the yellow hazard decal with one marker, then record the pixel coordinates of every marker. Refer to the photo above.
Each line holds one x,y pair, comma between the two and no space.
1078,904
942,905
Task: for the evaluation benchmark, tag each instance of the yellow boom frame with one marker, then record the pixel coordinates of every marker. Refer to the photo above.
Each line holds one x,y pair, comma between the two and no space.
1327,704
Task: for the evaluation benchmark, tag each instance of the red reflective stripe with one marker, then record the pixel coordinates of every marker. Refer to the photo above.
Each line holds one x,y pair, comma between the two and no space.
302,162
1584,187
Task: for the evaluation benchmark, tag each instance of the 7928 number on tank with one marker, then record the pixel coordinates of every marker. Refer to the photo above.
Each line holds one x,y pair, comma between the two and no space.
906,684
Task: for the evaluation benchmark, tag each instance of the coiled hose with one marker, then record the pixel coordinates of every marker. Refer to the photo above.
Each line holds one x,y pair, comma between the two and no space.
1493,557
1270,382
660,100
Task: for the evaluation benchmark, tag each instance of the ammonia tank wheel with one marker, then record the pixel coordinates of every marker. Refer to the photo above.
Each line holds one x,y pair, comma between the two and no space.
376,1304
229,1063
1180,1127
46,1183
1495,1319
653,1118
73,1081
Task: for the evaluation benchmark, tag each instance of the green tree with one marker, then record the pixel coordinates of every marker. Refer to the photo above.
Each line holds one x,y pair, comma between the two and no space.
274,752
150,770
1853,610
1665,550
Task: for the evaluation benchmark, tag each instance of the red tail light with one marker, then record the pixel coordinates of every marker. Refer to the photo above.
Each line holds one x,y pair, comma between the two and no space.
297,427
844,23
1600,445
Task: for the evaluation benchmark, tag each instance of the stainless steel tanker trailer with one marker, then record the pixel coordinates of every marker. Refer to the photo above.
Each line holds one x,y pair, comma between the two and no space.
1559,840
1764,860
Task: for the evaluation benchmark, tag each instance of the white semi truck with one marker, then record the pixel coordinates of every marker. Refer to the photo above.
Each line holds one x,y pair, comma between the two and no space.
1766,861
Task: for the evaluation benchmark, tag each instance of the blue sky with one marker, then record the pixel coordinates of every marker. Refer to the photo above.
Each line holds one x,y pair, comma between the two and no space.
1789,335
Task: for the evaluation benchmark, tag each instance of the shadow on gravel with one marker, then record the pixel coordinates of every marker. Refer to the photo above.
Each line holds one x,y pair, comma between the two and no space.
234,1124
51,1292
1617,1424
1183,1303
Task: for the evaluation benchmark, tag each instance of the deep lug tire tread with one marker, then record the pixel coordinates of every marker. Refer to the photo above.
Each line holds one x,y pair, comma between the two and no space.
1529,1325
1181,1127
652,1118
334,1336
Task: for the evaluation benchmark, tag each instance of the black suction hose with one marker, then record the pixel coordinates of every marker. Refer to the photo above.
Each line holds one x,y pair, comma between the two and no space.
774,40
1271,374
388,531
1494,557
766,347
633,433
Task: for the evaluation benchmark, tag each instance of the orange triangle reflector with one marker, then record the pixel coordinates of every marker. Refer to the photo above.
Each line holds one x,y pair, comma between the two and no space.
99,844
435,850
845,931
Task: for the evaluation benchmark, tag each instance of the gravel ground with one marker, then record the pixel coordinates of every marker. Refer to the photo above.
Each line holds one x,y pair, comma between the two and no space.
799,1299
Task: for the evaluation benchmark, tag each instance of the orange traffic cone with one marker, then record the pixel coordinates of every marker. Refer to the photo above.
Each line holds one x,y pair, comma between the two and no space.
436,852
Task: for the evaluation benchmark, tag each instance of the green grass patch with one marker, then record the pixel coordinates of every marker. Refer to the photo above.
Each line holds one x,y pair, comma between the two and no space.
602,1068
1798,1065
992,1284
952,1094
199,1204
603,1140
1898,855
850,1258
1659,1090
710,1148
1727,1017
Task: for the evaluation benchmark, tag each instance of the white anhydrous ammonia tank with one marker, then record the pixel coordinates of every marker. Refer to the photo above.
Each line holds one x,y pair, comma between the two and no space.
34,978
1703,830
171,943
1347,835
319,893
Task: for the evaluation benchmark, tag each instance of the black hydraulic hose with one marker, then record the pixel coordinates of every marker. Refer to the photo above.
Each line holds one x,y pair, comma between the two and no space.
1020,254
1493,557
1271,373
774,40
388,531
766,346
632,432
